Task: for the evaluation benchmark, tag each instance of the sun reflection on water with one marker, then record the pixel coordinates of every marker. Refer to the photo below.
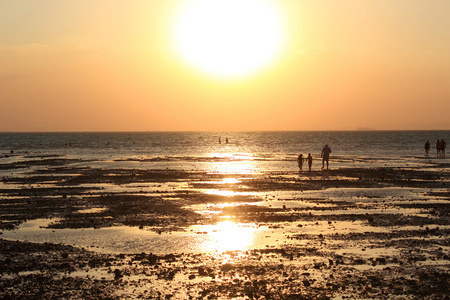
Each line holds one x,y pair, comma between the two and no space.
233,168
233,163
230,181
227,193
230,236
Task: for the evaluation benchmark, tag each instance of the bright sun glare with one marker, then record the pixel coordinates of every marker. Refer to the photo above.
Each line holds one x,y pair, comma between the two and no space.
230,236
228,38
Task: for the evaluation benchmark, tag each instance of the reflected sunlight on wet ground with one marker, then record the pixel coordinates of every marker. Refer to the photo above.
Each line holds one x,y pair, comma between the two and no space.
229,236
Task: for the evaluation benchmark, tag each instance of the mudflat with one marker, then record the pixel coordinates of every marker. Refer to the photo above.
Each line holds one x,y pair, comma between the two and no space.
357,233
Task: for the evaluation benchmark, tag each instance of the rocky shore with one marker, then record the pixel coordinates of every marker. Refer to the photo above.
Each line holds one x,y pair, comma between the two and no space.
353,233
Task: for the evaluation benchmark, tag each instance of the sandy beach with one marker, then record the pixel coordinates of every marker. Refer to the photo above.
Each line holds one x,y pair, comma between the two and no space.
74,231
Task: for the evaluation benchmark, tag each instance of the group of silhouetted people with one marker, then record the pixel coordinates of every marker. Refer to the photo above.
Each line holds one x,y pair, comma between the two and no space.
325,159
300,161
440,151
440,147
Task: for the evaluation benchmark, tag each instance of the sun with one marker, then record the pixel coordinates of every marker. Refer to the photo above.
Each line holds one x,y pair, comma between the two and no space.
228,38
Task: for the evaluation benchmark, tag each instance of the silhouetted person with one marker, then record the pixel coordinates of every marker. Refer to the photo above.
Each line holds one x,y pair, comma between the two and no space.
226,140
325,155
300,162
309,159
220,141
438,148
427,147
443,146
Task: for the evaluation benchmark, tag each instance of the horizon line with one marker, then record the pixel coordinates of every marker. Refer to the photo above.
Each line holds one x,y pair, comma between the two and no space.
186,131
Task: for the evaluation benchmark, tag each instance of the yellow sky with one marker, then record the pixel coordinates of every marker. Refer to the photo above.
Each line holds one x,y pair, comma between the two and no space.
88,65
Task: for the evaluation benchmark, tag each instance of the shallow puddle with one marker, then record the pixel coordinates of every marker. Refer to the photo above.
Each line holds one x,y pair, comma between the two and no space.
221,237
224,236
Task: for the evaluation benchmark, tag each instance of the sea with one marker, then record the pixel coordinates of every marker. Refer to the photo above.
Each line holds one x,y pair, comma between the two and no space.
212,151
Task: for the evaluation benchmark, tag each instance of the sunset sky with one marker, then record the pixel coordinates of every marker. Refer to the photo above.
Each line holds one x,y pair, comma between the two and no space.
90,65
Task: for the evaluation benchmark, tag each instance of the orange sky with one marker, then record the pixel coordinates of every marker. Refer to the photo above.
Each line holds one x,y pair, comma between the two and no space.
88,65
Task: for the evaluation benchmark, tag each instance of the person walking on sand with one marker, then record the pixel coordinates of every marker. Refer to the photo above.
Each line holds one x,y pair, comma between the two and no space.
427,147
325,155
309,159
300,162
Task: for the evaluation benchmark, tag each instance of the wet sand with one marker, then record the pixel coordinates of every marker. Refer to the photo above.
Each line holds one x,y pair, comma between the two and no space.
357,233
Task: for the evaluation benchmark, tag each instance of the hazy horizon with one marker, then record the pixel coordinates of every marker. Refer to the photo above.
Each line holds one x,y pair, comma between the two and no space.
231,131
177,65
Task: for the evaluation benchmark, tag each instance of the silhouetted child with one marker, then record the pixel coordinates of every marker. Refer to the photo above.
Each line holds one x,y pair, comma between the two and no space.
300,162
309,159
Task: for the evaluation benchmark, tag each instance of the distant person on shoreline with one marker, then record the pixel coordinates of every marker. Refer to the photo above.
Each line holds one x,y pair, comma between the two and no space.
438,148
427,147
309,159
300,162
443,146
325,155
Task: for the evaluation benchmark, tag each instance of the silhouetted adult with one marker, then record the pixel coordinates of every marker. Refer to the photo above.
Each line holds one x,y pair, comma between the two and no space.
427,147
325,155
300,162
438,148
309,159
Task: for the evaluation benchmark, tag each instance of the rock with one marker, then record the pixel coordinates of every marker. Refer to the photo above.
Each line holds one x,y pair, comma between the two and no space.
226,267
381,260
306,283
117,274
202,271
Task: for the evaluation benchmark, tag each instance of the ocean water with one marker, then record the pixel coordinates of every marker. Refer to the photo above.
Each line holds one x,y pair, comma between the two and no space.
202,150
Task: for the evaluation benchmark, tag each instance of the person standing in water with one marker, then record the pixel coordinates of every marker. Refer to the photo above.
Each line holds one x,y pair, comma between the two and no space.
325,155
309,159
300,162
427,147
